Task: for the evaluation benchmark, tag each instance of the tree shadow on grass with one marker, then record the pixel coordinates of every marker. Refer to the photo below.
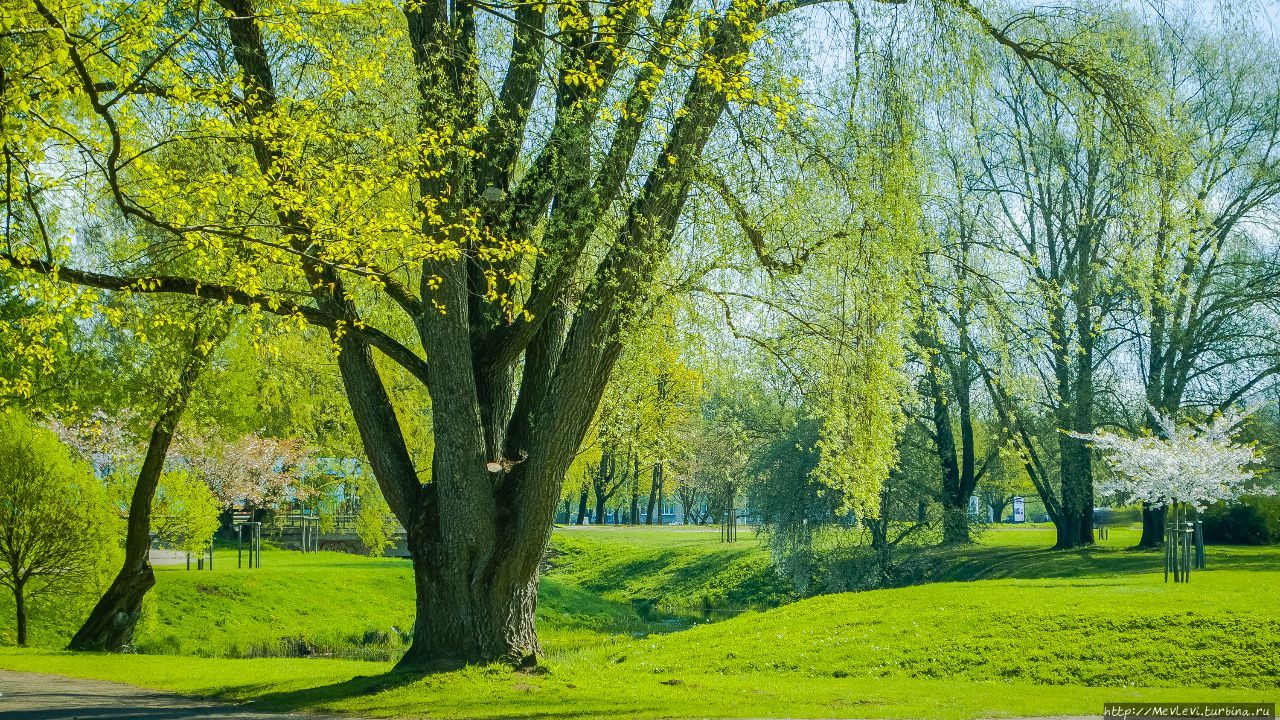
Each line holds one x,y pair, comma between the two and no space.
306,698
494,708
989,563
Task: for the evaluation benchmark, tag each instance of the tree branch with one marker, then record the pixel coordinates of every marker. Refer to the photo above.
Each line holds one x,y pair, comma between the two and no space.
178,285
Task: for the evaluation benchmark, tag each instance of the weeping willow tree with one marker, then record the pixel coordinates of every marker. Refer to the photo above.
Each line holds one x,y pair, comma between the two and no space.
481,193
822,289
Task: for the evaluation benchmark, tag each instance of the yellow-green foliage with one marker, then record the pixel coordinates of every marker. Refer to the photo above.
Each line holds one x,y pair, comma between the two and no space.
184,513
58,531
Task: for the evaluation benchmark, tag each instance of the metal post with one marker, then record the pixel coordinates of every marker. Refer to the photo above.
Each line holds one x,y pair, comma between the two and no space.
239,546
1199,544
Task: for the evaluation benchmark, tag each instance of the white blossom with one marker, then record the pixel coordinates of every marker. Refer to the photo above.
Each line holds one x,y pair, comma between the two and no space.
1196,463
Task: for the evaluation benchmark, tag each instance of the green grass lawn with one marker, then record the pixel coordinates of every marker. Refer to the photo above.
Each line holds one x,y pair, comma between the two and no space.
603,584
1034,632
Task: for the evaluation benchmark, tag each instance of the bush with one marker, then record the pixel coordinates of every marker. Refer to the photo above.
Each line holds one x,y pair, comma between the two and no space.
1251,521
57,526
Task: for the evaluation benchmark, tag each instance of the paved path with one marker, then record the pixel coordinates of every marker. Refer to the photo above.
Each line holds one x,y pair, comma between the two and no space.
32,696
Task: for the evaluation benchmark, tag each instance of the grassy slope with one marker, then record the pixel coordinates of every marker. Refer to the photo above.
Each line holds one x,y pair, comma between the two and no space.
358,607
674,569
1056,633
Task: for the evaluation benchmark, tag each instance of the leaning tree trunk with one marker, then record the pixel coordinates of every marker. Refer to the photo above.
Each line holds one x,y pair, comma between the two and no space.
110,625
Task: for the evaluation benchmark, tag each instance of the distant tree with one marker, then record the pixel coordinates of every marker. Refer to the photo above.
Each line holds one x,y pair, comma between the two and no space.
692,499
1181,467
374,521
1196,463
251,471
606,480
185,512
1056,169
56,526
1004,480
1205,280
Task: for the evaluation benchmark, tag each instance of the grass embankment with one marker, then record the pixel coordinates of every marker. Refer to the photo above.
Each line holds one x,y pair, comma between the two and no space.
1050,633
600,585
682,571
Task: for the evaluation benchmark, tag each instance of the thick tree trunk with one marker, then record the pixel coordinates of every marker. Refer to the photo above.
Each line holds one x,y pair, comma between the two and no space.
662,501
955,502
997,506
634,518
20,608
600,507
1153,519
1075,526
110,625
955,523
469,611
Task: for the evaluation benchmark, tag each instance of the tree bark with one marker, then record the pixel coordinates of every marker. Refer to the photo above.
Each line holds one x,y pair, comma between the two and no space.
470,609
955,502
635,492
1076,526
603,482
600,509
1153,520
582,507
655,490
662,500
110,625
998,504
20,608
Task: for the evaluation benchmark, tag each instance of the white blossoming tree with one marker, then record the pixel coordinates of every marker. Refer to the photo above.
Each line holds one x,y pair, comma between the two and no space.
1186,467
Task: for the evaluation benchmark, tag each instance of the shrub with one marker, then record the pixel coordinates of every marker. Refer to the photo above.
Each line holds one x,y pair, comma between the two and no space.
1252,521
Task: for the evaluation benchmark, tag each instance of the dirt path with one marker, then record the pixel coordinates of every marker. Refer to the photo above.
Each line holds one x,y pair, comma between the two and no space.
33,696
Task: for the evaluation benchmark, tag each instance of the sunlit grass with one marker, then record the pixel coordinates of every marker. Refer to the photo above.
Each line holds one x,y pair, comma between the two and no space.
1041,632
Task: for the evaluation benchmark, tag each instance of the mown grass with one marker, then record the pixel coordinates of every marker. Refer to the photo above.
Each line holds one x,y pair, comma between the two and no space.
686,571
296,603
1040,632
338,605
593,687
